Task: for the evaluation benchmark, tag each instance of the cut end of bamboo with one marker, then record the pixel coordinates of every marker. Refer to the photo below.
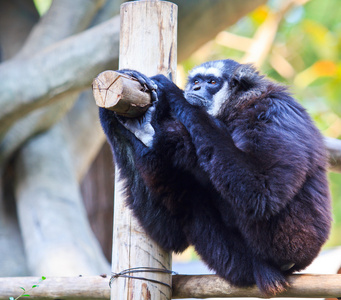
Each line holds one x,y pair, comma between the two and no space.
101,87
120,93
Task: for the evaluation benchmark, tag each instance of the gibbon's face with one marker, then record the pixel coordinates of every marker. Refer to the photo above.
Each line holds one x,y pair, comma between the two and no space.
208,85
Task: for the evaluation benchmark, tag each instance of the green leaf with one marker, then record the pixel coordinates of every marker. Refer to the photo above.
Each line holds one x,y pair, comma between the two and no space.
33,286
22,288
43,278
26,295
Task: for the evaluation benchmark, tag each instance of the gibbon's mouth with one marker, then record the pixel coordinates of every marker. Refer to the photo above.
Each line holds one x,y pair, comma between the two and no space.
195,99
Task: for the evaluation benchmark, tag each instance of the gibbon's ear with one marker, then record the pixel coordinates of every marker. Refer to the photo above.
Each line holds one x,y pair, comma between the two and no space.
244,77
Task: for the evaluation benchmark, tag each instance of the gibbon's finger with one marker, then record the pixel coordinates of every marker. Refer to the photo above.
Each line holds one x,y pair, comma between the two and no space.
153,95
145,81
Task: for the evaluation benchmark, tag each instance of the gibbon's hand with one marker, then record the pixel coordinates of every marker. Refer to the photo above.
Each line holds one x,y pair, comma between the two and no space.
141,127
146,82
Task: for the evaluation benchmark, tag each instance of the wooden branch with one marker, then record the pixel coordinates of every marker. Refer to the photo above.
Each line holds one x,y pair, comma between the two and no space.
207,286
38,121
66,288
120,93
184,286
85,137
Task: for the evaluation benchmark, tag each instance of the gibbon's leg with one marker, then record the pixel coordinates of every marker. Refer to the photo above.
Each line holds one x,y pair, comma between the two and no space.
224,250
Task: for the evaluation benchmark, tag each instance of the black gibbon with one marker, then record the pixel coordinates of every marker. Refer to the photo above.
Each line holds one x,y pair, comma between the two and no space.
232,165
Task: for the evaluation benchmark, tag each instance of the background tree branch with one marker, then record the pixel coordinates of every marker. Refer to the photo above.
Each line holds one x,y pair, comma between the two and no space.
52,28
55,71
51,213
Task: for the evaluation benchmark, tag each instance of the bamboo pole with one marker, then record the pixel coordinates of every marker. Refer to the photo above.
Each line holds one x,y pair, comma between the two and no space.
147,44
184,286
212,286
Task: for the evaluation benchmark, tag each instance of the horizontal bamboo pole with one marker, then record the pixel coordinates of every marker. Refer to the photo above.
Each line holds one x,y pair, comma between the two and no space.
301,286
90,287
184,286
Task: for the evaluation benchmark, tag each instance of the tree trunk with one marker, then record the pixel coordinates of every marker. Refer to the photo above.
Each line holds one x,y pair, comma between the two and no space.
54,225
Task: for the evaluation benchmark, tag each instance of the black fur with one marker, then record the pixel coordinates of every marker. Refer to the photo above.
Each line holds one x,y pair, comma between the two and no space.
247,187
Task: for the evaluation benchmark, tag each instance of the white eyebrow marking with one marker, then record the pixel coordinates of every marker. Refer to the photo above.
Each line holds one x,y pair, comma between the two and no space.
215,71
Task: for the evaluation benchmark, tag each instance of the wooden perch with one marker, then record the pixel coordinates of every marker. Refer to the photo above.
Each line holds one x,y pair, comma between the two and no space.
184,286
212,286
121,93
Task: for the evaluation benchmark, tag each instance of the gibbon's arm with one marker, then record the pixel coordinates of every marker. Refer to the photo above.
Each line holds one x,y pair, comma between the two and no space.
259,191
164,226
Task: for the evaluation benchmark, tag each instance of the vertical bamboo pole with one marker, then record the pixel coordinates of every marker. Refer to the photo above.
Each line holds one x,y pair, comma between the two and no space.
147,44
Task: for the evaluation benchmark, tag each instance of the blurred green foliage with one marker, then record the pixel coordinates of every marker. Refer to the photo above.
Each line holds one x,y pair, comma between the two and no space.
308,40
42,6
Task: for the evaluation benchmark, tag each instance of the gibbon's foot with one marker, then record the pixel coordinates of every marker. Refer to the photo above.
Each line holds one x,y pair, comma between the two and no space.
269,280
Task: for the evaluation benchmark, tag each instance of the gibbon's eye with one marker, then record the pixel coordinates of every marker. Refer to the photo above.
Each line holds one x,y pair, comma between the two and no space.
212,81
196,81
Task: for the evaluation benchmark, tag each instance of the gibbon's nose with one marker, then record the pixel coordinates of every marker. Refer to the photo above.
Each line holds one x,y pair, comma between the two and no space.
197,88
